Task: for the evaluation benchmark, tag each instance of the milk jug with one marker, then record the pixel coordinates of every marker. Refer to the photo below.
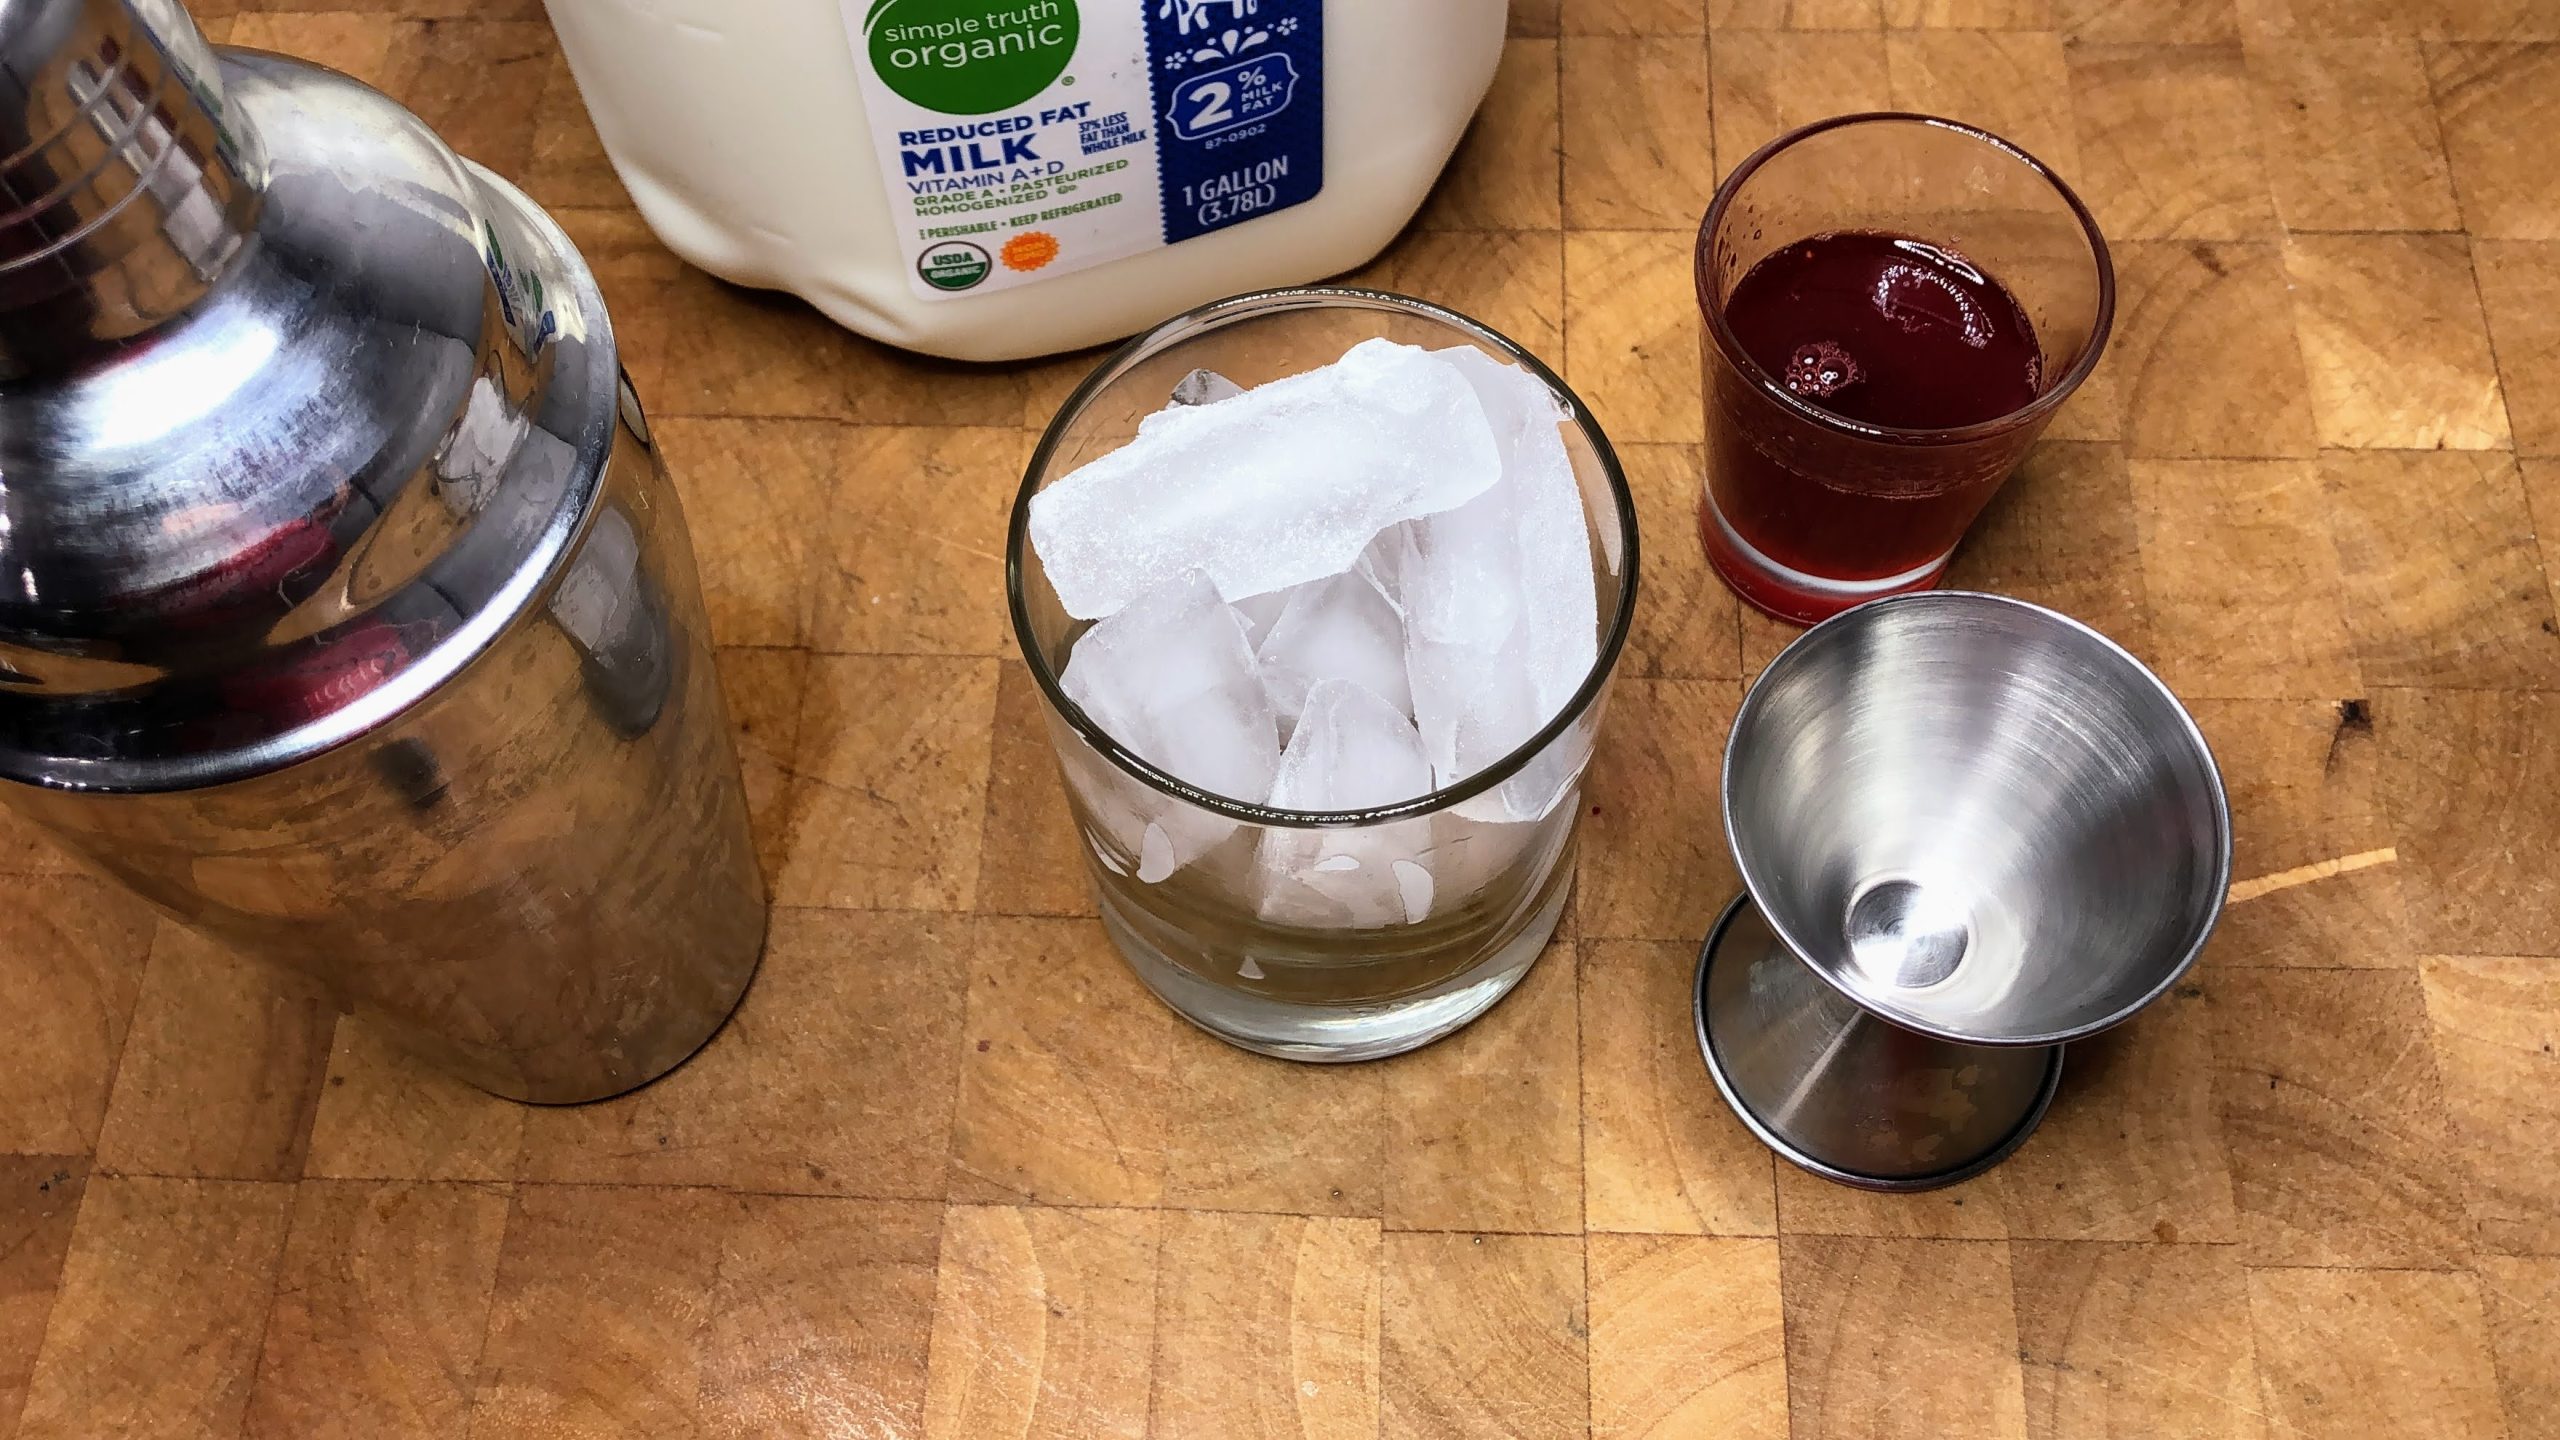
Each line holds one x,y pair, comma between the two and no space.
993,179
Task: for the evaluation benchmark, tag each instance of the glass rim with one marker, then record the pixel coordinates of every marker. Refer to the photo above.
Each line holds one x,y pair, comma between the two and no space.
1729,345
1200,320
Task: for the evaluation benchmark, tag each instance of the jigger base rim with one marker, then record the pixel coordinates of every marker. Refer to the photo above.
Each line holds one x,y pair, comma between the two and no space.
1813,1164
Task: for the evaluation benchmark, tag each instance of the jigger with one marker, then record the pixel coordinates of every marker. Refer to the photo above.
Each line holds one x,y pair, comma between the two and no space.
1970,831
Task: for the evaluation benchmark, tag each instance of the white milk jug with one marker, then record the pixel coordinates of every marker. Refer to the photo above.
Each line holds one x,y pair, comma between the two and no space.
992,179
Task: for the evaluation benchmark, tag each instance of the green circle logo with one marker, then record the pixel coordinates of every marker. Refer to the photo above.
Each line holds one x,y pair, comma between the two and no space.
971,57
953,265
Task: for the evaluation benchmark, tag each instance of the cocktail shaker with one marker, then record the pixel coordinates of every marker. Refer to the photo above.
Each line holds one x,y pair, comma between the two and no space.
345,612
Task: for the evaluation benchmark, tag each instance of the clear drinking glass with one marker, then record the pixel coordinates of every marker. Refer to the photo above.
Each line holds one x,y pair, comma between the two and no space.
1805,512
1203,893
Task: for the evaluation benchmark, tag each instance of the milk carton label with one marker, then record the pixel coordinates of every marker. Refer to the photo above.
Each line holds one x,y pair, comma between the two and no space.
1021,140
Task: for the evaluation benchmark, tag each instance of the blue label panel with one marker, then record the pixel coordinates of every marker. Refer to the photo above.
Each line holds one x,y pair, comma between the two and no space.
1239,94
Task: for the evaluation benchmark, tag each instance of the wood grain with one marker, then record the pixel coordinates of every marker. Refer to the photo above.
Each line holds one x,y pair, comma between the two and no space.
380,1309
1891,1337
1266,1326
2329,1345
1043,1323
1686,1338
149,1333
2136,1340
1481,1136
1483,1335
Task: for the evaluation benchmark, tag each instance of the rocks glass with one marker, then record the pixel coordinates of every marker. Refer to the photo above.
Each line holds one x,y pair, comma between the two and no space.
1319,936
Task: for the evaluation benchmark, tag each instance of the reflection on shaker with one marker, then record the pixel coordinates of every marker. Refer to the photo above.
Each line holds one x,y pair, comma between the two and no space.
634,419
607,607
408,767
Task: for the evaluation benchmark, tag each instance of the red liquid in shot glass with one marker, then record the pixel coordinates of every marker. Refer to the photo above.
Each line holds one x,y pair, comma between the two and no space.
1878,329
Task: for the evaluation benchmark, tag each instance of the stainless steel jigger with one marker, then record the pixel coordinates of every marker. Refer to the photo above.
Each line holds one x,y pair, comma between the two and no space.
1971,831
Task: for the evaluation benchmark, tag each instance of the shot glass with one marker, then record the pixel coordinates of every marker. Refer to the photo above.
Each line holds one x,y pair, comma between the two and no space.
1332,936
1805,512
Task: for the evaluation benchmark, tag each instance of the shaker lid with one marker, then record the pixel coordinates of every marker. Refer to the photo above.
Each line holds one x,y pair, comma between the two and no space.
292,508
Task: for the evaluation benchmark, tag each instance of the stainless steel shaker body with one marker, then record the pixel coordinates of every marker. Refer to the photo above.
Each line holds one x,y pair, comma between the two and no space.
345,612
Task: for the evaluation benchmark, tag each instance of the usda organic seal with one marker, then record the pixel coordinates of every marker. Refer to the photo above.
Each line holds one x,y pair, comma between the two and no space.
953,265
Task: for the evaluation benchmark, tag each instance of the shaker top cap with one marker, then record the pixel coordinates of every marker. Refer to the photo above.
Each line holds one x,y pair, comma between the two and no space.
121,192
297,408
37,37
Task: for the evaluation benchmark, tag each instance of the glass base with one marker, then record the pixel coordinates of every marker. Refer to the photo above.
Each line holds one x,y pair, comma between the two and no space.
1790,594
1336,1034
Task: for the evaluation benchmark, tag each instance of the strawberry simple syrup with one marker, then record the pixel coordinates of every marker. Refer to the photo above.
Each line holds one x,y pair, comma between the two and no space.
1883,330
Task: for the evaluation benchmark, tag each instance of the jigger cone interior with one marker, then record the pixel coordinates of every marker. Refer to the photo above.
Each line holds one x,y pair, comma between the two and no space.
1977,819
